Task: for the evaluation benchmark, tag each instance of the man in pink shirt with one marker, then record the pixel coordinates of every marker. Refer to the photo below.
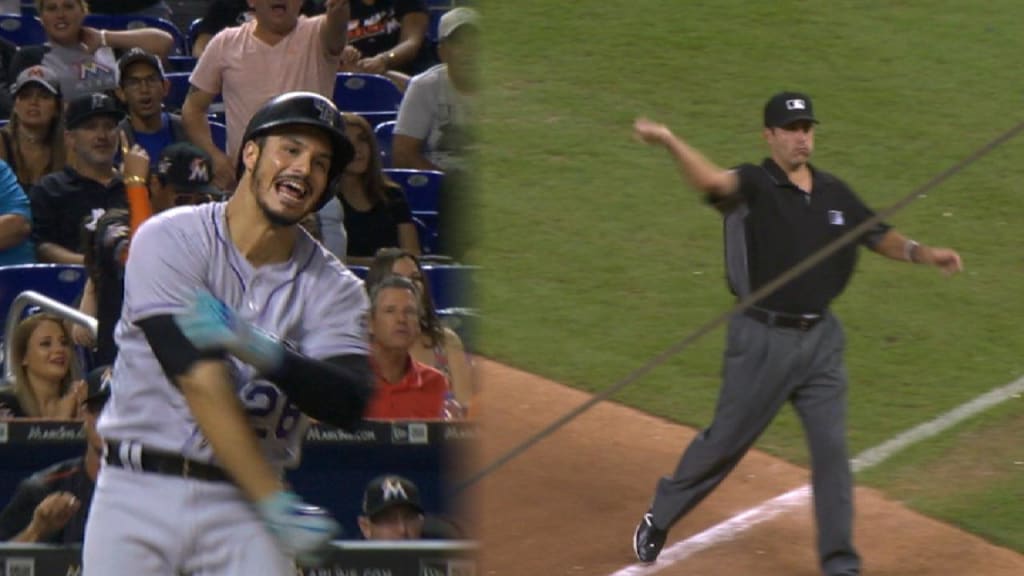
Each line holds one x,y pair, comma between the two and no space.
277,51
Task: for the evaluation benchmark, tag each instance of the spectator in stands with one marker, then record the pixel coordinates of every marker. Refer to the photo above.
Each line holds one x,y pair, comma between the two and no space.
142,88
438,346
81,56
15,221
433,127
78,195
180,177
221,14
41,360
7,52
330,222
376,211
51,506
388,36
151,8
33,141
405,388
279,51
392,510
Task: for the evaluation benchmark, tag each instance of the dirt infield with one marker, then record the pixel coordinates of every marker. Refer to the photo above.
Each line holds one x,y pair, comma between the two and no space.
569,505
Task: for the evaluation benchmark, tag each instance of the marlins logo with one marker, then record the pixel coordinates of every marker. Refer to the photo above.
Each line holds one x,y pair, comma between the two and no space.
199,172
393,490
90,70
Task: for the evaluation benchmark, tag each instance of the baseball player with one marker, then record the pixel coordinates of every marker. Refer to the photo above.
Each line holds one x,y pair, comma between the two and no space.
208,403
788,347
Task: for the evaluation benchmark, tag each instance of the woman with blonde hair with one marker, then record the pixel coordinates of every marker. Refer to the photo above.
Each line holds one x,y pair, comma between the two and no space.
41,359
32,143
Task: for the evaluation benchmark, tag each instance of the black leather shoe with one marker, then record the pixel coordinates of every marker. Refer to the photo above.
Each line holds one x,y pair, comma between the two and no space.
648,539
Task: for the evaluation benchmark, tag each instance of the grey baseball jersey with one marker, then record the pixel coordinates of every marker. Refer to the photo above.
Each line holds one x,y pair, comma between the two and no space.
310,301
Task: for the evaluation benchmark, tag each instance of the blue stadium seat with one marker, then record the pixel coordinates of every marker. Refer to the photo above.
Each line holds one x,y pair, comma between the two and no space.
383,132
377,118
219,133
450,285
422,187
191,33
130,22
178,90
21,30
62,282
180,64
358,92
427,232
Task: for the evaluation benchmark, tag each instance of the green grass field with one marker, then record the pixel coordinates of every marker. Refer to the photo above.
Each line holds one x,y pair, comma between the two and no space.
596,257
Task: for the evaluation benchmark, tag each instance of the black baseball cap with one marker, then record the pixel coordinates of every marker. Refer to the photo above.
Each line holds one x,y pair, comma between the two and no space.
97,384
385,492
785,108
138,55
188,168
84,107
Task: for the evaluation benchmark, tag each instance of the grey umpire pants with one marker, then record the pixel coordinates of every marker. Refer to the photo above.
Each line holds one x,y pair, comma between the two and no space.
765,366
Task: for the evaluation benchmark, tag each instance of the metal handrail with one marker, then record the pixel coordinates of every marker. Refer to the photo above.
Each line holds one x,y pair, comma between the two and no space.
33,298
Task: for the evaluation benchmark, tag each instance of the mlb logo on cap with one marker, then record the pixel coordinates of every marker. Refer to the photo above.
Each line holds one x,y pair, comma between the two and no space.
785,108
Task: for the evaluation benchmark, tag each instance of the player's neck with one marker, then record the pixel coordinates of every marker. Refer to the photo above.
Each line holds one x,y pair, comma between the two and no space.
256,239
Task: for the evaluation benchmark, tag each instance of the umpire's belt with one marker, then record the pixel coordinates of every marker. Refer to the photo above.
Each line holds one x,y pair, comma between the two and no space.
132,456
802,322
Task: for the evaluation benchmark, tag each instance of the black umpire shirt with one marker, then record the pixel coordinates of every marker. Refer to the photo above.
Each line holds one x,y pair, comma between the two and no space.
775,225
63,201
66,476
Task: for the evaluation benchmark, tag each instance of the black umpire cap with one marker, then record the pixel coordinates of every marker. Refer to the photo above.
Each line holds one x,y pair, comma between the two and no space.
785,108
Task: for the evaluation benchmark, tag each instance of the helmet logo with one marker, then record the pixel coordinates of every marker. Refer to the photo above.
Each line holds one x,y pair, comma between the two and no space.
326,111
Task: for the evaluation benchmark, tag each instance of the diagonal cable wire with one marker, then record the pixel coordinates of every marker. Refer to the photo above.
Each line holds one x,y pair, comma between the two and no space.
784,278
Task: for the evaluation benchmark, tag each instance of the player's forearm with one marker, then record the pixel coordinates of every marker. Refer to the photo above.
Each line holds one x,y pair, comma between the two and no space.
220,416
696,169
48,252
898,247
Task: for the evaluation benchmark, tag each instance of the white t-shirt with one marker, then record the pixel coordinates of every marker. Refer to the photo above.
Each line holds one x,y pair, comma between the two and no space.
434,112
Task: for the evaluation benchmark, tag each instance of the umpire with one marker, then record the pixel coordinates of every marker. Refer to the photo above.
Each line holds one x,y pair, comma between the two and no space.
788,346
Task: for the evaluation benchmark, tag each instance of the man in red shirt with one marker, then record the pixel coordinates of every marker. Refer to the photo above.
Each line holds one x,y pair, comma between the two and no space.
405,388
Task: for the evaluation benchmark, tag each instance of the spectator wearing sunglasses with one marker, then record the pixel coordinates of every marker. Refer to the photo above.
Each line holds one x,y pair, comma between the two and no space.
181,177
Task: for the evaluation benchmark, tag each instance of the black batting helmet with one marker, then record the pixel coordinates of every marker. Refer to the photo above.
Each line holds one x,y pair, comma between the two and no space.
309,109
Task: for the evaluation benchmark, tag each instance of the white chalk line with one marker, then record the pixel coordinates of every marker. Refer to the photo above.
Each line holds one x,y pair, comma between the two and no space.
798,497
